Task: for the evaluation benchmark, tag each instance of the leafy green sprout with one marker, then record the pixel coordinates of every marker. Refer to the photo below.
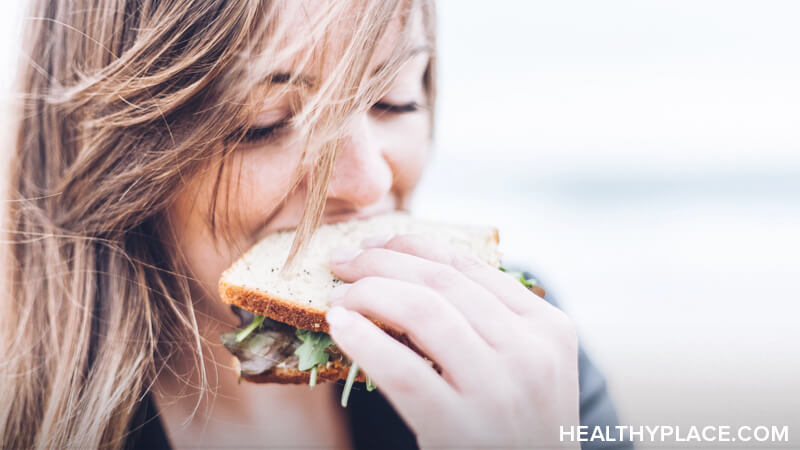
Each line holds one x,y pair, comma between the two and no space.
311,352
312,379
520,276
242,335
351,377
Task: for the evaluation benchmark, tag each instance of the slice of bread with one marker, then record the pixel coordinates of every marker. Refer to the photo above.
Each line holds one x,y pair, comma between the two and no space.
254,282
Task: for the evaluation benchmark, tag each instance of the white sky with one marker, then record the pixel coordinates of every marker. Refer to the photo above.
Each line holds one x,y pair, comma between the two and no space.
621,84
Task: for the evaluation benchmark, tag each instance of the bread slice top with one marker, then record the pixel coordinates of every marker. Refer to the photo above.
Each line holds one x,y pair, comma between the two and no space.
255,283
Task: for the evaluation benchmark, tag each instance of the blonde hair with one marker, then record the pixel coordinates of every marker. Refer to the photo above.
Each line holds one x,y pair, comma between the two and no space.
121,103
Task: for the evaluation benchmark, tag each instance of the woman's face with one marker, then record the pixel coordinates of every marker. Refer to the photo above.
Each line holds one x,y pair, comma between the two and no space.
378,164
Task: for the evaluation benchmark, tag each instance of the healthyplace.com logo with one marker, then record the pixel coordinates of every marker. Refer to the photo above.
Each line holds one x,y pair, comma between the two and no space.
675,433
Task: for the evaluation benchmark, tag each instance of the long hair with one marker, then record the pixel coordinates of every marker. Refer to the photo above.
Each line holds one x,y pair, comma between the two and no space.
121,102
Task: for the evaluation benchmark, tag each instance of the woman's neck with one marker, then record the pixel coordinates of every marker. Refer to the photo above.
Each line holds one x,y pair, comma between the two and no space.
238,413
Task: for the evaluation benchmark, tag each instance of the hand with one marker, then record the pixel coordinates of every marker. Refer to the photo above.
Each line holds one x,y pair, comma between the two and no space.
509,359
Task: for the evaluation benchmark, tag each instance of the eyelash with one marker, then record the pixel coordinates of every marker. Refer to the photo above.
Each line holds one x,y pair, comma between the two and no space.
261,134
396,109
266,133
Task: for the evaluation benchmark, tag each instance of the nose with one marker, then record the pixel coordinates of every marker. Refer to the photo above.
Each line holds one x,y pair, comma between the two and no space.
361,175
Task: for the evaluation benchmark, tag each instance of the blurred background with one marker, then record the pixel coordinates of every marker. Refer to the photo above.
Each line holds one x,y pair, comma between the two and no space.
643,159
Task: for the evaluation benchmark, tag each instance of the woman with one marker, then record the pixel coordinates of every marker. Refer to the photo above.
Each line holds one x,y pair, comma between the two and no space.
156,141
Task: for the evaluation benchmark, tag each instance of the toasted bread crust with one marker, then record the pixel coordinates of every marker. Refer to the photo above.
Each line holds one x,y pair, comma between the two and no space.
276,308
285,311
284,375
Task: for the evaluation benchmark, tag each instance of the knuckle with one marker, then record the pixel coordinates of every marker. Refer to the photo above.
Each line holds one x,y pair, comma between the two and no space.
533,307
525,359
529,351
537,368
357,331
403,242
398,381
422,246
467,263
414,239
367,284
430,311
544,377
564,329
407,243
361,290
442,278
444,328
370,256
503,333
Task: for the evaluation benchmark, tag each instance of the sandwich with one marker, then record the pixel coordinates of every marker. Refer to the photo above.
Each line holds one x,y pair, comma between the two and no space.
283,333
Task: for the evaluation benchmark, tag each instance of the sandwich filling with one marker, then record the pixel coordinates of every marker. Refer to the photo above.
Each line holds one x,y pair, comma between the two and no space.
265,344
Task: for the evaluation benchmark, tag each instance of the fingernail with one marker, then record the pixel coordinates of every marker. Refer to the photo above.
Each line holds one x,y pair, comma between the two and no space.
338,317
338,292
376,241
343,254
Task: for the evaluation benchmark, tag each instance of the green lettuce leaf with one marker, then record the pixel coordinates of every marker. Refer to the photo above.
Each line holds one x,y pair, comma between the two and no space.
527,282
312,351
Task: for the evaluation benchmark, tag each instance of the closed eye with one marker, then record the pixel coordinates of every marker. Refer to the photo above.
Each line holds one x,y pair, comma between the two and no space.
396,109
262,134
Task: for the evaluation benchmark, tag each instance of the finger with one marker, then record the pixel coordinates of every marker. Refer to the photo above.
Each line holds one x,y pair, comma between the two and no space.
431,322
407,380
484,312
509,290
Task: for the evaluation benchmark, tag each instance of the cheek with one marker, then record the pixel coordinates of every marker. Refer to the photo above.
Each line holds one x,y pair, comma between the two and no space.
188,219
263,178
254,183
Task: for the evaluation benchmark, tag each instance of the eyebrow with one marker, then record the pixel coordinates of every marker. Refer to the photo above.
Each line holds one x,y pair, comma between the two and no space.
306,81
